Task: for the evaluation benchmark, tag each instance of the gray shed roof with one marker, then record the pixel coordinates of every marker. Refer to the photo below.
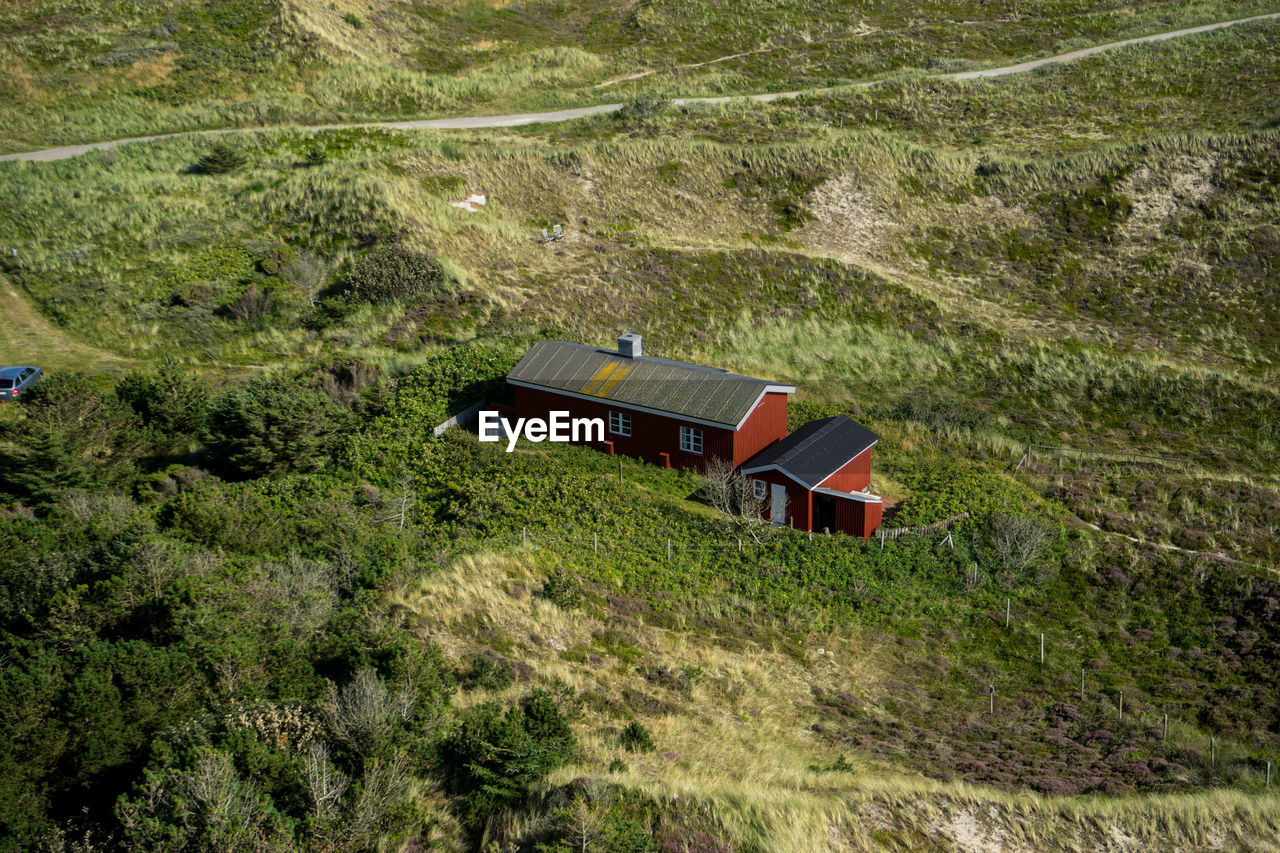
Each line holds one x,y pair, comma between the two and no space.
675,387
816,450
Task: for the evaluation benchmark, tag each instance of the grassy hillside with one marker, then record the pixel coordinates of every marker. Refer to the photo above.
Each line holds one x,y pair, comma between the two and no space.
249,602
107,69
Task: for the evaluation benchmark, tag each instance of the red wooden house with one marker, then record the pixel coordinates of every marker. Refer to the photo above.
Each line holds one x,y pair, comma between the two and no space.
673,413
817,478
667,412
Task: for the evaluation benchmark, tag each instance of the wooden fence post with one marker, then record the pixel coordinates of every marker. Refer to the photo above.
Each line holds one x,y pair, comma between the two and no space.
1166,727
1121,706
1042,648
1213,752
524,536
1081,684
992,689
1268,774
1006,613
668,550
596,543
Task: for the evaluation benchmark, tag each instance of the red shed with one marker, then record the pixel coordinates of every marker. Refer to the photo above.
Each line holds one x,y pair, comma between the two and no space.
671,413
817,478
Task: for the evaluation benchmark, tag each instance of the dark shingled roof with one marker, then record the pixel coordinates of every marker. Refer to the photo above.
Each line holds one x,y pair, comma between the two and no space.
816,450
689,390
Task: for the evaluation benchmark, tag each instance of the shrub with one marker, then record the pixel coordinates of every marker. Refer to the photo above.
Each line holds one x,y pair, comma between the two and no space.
492,757
315,156
395,272
328,312
562,590
228,263
308,273
72,437
1016,540
170,400
277,260
636,738
272,426
250,306
642,110
221,159
488,673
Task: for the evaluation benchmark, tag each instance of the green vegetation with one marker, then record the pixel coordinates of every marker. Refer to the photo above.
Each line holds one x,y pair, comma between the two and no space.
394,273
116,69
221,159
248,600
327,694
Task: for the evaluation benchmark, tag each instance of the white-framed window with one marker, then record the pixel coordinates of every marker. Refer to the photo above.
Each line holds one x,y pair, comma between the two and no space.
620,423
760,489
690,439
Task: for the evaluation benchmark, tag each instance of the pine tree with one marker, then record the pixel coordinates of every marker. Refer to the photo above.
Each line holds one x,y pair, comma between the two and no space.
221,159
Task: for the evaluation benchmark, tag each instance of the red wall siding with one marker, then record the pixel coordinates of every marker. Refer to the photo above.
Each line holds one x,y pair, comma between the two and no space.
854,476
871,518
799,499
766,424
849,517
857,518
650,434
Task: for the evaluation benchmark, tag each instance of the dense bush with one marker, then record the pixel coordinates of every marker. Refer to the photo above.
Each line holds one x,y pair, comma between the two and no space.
228,263
491,756
562,590
642,110
395,273
273,426
636,738
171,400
942,488
488,672
250,306
73,437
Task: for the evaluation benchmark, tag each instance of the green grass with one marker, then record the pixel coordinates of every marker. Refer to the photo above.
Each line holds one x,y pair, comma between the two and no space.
966,268
1214,82
117,69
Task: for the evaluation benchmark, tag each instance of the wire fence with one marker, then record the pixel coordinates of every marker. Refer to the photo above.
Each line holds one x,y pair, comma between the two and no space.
673,547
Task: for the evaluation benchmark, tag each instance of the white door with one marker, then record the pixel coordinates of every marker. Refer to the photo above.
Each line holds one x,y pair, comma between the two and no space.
778,504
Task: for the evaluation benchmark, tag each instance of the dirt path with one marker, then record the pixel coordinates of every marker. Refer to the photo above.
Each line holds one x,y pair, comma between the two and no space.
637,75
518,119
28,338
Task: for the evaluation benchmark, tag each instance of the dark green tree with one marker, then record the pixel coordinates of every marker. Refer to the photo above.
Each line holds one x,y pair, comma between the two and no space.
171,400
491,757
221,159
73,437
273,426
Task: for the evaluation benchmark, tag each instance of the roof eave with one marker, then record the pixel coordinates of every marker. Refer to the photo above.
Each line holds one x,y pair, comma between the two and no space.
768,389
607,401
835,471
784,470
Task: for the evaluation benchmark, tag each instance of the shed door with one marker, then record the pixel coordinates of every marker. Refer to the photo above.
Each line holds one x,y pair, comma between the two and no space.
778,504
